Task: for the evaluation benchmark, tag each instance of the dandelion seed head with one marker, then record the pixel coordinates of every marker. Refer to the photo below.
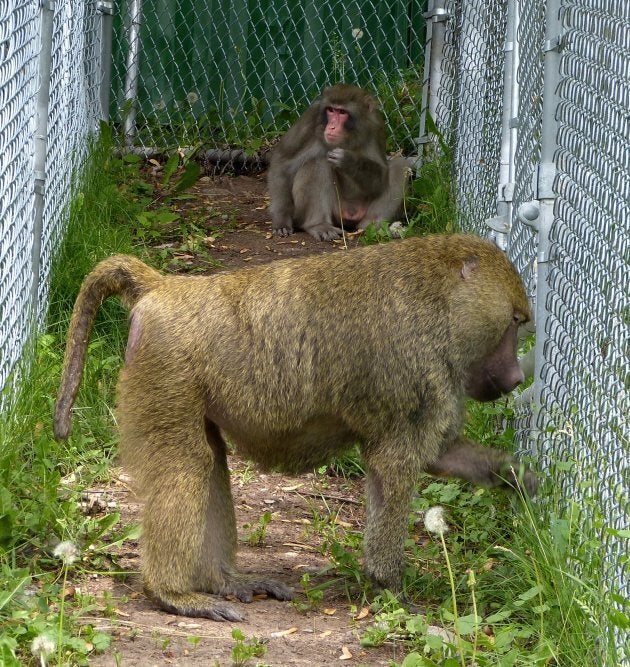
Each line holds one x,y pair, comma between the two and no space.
357,33
42,646
68,552
434,520
192,97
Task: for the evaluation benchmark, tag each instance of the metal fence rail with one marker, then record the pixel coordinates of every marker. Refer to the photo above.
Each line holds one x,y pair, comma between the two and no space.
565,211
533,95
49,85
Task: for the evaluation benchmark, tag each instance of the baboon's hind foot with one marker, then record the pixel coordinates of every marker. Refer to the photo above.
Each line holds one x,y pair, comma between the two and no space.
197,605
245,588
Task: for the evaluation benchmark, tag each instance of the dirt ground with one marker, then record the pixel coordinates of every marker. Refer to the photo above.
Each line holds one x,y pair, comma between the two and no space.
234,213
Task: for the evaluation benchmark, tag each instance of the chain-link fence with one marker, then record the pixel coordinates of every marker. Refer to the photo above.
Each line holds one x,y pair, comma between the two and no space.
49,87
532,94
228,74
18,88
584,377
562,189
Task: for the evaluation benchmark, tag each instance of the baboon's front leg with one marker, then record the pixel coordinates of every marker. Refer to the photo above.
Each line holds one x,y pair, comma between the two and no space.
485,466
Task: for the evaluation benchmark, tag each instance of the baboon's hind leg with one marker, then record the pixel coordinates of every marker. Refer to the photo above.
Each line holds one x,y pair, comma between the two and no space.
220,520
185,564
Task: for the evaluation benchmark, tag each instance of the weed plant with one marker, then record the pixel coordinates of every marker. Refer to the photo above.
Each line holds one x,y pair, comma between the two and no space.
40,479
499,585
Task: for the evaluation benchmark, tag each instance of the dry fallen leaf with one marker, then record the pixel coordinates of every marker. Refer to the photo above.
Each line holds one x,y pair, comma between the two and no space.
326,633
69,591
329,612
345,654
343,524
291,488
68,479
284,633
362,614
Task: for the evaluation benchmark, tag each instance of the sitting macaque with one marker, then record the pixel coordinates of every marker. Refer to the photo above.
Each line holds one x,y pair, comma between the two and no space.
329,170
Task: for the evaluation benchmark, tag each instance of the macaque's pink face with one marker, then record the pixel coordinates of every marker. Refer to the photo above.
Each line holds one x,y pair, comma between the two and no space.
336,118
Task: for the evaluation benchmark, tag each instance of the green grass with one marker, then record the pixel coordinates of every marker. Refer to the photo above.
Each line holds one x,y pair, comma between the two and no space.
515,597
501,583
40,479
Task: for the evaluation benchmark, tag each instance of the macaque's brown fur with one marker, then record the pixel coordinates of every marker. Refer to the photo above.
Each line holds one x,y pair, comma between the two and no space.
294,372
318,181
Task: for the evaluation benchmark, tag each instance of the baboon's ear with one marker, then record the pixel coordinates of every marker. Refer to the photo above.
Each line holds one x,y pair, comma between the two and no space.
469,266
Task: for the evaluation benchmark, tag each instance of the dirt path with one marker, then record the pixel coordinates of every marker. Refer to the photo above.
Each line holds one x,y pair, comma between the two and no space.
233,215
299,633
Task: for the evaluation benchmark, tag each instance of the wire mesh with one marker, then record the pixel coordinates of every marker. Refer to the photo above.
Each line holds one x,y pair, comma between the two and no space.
586,371
72,112
73,116
226,74
469,111
18,87
530,36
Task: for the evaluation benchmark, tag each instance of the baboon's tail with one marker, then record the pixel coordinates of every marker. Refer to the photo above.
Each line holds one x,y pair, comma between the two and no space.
120,275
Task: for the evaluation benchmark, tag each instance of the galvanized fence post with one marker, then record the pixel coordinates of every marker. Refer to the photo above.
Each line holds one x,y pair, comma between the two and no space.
539,213
436,16
132,72
106,10
41,146
500,224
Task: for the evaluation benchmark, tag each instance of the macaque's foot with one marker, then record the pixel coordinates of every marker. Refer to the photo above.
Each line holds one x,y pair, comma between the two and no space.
245,589
282,231
196,605
324,232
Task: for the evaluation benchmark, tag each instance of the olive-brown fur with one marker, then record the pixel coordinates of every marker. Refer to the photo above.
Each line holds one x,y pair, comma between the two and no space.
295,362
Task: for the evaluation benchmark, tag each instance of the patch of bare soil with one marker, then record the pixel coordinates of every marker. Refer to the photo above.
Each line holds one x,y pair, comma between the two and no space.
298,633
234,211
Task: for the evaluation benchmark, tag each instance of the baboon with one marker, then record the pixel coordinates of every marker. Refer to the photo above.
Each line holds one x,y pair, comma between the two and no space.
330,168
292,373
